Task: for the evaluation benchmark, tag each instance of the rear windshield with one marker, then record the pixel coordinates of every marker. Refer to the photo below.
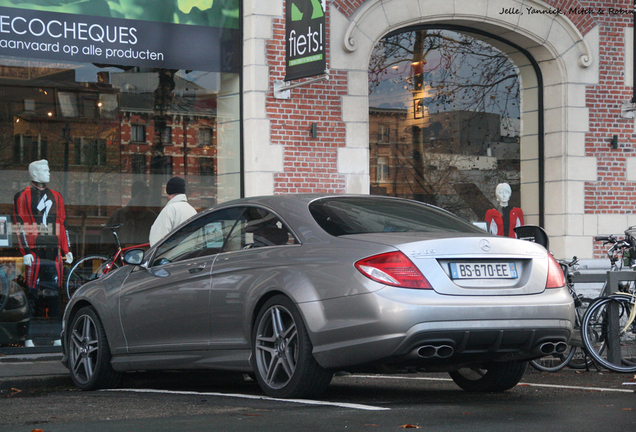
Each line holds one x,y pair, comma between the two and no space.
362,215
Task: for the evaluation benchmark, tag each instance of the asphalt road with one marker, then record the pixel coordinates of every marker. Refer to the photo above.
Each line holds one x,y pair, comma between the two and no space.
586,401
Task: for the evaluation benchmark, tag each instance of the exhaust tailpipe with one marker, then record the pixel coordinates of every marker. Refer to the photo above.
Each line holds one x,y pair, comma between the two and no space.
553,348
438,351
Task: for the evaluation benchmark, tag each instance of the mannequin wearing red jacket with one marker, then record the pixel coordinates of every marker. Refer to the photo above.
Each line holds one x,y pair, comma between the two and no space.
40,218
505,221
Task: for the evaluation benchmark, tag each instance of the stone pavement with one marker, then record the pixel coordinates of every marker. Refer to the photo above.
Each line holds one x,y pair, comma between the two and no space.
32,372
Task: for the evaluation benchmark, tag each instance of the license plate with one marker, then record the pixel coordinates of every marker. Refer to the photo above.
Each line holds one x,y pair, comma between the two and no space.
480,270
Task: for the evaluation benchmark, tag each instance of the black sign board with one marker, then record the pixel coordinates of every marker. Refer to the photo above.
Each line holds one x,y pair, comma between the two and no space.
306,38
105,40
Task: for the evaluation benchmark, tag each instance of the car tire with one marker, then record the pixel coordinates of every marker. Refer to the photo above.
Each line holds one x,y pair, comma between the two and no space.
89,354
283,362
494,377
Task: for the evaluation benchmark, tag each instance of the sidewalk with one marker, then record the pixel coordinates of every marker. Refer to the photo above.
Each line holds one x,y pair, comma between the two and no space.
32,372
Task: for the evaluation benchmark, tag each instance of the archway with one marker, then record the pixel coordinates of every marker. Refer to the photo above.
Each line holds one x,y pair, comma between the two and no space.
563,56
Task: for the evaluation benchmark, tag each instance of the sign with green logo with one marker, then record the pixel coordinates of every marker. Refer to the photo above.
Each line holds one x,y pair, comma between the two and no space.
306,38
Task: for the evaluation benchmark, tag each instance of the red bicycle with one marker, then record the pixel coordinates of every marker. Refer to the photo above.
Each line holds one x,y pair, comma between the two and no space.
93,267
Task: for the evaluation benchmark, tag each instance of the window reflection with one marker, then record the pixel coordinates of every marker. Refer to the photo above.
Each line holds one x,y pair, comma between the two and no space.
444,120
107,132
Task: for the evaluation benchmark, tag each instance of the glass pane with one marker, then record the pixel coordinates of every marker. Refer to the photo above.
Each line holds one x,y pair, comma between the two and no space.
113,136
444,117
344,216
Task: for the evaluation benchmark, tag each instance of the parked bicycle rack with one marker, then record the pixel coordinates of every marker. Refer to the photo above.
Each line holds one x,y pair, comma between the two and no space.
613,278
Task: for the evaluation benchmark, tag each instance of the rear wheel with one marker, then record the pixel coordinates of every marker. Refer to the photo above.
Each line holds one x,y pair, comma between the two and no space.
493,377
88,352
283,360
89,268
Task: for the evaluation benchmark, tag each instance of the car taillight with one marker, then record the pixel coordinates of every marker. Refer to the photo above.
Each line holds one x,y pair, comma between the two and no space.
393,268
556,279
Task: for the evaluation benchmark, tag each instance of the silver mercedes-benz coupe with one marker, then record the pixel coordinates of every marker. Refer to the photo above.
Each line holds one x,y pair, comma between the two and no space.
293,288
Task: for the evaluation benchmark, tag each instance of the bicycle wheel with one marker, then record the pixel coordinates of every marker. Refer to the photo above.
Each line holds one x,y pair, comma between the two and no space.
554,362
580,359
89,268
603,337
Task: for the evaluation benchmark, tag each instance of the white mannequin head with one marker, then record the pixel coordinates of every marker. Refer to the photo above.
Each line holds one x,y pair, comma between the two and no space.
503,192
39,171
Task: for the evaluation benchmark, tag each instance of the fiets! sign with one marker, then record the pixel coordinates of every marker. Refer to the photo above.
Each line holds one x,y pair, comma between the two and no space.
306,38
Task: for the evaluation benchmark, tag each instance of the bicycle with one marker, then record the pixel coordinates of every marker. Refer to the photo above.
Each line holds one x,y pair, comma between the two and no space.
94,266
575,355
608,328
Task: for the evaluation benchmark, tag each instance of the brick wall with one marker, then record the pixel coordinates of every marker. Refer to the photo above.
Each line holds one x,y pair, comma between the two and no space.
310,164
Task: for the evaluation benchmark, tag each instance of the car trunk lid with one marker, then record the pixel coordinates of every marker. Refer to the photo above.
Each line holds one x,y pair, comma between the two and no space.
469,264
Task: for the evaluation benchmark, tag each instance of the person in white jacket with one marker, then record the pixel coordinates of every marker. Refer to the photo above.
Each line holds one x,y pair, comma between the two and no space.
176,211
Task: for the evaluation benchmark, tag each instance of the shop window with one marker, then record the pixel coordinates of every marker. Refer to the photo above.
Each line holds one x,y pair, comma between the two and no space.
90,152
449,104
91,193
384,133
138,165
205,137
27,149
96,110
382,172
161,165
90,105
68,104
138,133
207,171
166,136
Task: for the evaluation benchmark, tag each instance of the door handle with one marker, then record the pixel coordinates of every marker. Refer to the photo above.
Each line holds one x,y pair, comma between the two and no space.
197,269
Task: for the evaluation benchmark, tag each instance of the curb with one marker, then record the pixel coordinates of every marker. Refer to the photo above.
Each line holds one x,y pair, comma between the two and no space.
44,383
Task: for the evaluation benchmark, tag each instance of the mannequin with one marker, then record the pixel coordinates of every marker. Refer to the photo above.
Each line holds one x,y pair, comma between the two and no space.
503,220
40,218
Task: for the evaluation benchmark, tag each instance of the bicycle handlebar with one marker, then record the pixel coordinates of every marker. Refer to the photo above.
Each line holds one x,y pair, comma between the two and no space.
112,227
606,239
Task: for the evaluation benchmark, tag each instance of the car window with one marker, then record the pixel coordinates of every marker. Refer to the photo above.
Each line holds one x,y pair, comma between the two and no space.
201,237
359,215
258,227
224,231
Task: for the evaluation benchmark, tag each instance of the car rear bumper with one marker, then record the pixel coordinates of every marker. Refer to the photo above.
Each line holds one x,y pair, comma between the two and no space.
425,329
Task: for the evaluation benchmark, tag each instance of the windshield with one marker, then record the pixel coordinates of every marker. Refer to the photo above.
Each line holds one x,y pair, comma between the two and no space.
361,215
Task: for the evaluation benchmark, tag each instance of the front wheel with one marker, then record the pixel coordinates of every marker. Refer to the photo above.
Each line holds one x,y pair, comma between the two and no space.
606,335
89,268
491,378
88,352
282,353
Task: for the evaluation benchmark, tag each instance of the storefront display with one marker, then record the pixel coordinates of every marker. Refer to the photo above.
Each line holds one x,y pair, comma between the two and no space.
117,102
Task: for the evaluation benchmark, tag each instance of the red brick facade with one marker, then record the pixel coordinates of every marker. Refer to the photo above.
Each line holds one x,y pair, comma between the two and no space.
311,164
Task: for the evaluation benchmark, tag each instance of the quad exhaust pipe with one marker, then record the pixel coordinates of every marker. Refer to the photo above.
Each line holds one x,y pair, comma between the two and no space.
445,351
553,348
435,351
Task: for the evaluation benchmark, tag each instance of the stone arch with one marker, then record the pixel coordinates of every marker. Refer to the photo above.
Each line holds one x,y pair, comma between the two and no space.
566,62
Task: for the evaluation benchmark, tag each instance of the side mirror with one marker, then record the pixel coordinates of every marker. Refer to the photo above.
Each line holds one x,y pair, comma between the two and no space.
134,257
533,233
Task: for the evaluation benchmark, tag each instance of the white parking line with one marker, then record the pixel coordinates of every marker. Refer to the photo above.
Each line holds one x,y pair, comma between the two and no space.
603,389
243,396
